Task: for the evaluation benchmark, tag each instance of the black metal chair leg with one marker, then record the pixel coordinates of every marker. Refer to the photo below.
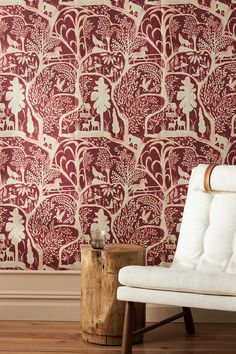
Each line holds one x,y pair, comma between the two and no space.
128,328
188,320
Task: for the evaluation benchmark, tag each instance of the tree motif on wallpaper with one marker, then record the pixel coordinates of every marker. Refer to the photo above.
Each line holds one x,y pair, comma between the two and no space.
101,98
16,230
187,97
104,111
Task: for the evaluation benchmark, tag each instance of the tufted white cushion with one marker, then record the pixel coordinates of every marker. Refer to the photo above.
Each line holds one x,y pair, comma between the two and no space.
161,278
205,259
207,240
221,178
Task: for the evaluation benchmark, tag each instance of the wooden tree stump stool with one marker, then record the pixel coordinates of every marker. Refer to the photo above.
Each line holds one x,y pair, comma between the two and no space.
102,314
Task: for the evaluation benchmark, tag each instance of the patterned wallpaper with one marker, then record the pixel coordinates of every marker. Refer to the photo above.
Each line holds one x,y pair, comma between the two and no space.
105,108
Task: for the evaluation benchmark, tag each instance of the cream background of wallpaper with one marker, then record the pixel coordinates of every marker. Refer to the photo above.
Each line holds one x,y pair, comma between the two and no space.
55,296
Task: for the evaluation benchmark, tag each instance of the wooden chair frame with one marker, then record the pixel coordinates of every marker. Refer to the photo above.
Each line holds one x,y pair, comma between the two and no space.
129,334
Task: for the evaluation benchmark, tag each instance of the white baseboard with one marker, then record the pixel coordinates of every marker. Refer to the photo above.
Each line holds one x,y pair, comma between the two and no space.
156,313
55,296
48,296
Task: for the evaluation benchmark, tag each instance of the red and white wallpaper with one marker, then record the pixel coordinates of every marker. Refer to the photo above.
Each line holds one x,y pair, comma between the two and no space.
105,108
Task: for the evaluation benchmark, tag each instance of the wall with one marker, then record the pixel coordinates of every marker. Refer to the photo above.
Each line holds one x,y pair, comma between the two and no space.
104,111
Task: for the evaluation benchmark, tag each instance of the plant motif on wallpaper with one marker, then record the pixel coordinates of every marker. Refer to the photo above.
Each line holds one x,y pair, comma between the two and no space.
104,111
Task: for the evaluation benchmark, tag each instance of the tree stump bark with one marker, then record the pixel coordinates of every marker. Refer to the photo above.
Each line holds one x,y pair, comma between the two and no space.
102,315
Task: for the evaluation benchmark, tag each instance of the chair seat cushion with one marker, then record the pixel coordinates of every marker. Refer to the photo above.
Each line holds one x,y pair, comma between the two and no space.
184,280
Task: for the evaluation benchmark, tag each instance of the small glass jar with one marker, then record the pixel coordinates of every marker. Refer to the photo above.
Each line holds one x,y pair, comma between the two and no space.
98,239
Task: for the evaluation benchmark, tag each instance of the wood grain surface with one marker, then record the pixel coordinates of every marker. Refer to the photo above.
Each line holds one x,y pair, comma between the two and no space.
66,338
102,315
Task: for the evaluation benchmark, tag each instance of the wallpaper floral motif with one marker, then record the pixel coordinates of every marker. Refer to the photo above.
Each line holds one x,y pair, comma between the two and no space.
104,111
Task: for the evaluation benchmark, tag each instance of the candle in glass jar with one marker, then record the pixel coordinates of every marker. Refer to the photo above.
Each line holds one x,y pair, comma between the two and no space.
98,238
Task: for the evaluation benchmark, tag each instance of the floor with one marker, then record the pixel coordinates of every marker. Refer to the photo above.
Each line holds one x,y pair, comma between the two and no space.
65,338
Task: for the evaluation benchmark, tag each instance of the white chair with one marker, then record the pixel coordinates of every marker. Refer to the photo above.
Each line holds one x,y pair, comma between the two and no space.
203,272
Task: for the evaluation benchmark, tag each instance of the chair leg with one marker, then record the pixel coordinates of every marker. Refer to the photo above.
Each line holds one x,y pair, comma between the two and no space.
188,320
128,328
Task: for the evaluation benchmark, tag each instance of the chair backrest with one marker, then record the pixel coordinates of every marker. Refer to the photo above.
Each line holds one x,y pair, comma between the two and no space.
207,240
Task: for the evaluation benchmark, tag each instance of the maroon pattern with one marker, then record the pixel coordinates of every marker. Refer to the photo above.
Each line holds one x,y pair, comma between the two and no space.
104,111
